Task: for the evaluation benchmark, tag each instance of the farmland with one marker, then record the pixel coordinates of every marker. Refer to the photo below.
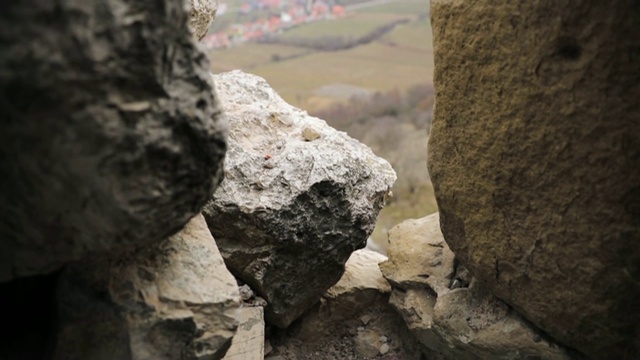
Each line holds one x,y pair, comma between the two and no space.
392,63
398,59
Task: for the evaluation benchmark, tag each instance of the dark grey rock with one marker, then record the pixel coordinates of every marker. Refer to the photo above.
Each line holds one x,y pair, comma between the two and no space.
110,131
287,229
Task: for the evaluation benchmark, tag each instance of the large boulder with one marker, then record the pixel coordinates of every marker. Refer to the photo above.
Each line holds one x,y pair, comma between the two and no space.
110,130
173,300
297,199
534,155
447,310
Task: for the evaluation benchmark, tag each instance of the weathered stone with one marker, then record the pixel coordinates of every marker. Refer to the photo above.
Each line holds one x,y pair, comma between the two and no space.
173,300
246,293
463,323
248,343
361,286
362,281
384,348
110,135
353,320
534,155
367,343
203,12
291,209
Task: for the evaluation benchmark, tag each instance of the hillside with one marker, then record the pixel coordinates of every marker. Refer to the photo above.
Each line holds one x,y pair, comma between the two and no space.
368,73
396,59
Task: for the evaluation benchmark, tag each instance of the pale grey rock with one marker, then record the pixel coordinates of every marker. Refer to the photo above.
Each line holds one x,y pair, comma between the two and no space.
292,207
173,300
362,286
248,343
245,292
467,322
202,14
362,280
367,343
110,130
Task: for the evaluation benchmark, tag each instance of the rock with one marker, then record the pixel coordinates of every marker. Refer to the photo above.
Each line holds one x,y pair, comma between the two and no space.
110,134
365,319
245,292
172,300
462,323
534,156
367,343
267,347
288,228
350,320
361,287
362,282
203,12
248,344
384,348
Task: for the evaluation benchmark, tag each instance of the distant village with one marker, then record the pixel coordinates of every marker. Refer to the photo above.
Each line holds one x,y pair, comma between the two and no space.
282,15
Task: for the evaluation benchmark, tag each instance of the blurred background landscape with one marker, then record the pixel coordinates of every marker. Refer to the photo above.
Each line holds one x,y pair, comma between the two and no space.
363,66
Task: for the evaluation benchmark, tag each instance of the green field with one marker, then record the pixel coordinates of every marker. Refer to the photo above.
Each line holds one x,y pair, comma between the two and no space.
353,26
415,35
399,8
249,56
398,60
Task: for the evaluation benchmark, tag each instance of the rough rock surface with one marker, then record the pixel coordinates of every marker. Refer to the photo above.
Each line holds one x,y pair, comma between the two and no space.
361,286
534,155
449,311
352,321
202,14
110,134
297,199
173,300
248,343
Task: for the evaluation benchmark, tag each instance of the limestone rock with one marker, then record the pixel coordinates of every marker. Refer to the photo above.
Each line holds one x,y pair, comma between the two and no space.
361,287
110,131
291,208
173,300
362,279
534,155
367,343
248,343
202,14
466,322
353,320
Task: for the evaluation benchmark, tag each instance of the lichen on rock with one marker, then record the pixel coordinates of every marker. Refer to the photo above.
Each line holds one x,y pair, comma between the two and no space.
534,157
